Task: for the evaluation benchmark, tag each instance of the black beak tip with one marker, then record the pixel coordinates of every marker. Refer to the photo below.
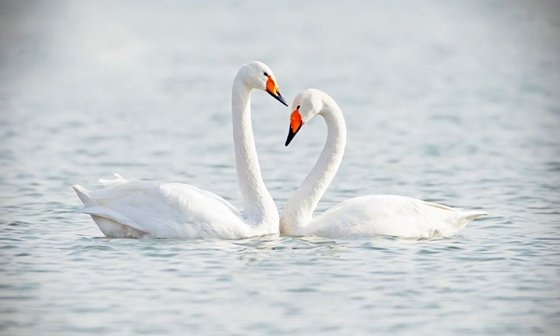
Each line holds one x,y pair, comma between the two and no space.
281,99
291,136
278,97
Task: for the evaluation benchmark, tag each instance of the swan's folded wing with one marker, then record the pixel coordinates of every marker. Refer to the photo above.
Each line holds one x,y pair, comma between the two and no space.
170,210
387,215
209,196
372,215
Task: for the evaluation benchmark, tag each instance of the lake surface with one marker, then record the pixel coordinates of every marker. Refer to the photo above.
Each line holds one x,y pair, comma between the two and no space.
453,102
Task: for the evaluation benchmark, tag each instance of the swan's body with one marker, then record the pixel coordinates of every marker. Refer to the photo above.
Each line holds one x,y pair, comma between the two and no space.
390,215
364,216
163,210
175,210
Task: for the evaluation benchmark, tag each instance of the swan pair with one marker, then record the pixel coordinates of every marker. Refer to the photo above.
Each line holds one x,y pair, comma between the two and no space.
174,210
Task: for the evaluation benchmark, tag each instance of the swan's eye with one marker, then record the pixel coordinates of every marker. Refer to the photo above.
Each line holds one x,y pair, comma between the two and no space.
266,74
297,108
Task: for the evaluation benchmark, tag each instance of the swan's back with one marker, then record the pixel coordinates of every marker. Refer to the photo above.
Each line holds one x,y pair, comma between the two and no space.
161,210
390,215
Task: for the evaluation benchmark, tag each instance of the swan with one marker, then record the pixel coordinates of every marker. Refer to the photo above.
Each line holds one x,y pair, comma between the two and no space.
139,209
364,216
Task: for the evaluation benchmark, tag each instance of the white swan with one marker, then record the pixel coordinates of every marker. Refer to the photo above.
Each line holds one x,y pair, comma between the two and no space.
175,210
364,216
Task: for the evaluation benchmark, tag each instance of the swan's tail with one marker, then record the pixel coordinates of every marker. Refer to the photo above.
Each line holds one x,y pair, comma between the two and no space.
110,222
84,196
474,214
469,216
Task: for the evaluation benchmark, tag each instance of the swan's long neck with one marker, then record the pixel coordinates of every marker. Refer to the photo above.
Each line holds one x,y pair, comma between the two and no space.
260,210
299,209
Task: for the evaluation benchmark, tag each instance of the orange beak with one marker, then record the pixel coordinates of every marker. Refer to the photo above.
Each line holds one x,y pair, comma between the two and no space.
272,89
295,126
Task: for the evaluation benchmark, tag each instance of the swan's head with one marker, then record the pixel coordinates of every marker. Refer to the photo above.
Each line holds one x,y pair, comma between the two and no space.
306,105
258,75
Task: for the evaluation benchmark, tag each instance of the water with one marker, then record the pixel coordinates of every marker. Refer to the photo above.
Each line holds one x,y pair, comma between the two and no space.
453,102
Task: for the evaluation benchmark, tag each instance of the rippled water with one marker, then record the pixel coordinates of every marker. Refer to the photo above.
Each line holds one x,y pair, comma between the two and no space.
454,102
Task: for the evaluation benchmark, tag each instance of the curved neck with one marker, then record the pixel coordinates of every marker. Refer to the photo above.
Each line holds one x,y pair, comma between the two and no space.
260,209
299,209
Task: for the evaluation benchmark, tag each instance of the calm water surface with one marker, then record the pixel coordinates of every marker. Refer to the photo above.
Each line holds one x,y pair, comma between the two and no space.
456,103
